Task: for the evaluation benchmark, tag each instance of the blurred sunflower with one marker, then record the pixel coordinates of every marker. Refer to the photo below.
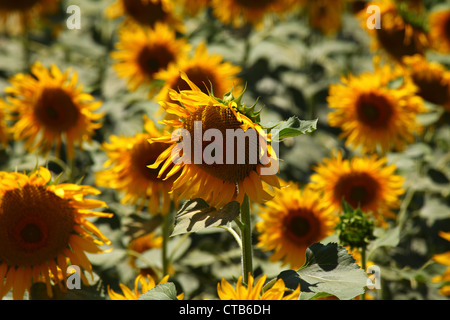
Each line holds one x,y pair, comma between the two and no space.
444,259
366,181
205,70
194,7
439,35
142,52
241,12
145,12
18,16
48,107
325,15
254,291
142,284
45,227
127,171
376,111
4,134
292,221
221,181
397,37
140,245
431,78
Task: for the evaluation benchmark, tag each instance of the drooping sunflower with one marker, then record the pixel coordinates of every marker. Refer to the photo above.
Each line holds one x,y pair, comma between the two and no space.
431,78
44,228
223,178
396,36
253,291
376,111
291,222
18,16
368,182
142,52
145,12
439,34
49,107
207,71
142,284
241,12
126,170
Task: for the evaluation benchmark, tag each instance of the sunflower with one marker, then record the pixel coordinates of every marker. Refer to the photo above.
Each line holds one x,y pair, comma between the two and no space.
207,71
396,37
142,284
241,12
291,222
142,52
368,182
194,7
439,35
45,227
48,107
18,16
277,292
444,259
431,78
140,245
376,111
127,171
221,179
145,12
326,15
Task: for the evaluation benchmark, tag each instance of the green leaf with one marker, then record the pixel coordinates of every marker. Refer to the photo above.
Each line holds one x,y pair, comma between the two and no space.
328,270
164,291
292,127
196,215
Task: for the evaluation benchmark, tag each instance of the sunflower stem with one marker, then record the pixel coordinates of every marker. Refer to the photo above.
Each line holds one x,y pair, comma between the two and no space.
363,265
165,234
246,235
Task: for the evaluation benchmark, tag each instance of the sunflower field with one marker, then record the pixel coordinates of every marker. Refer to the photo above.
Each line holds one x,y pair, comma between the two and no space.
348,197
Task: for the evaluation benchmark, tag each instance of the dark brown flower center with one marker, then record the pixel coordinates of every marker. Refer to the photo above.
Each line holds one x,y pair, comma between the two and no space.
151,60
254,4
236,167
357,189
145,12
56,110
17,5
302,226
374,110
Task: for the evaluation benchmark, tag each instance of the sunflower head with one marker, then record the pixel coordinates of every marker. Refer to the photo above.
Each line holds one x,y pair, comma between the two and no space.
145,12
142,52
376,111
366,182
254,291
49,108
439,35
142,284
44,228
19,16
218,170
126,170
399,35
431,78
209,72
292,221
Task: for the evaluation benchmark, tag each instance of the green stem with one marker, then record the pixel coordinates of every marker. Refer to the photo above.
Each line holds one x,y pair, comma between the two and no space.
165,234
246,235
363,265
